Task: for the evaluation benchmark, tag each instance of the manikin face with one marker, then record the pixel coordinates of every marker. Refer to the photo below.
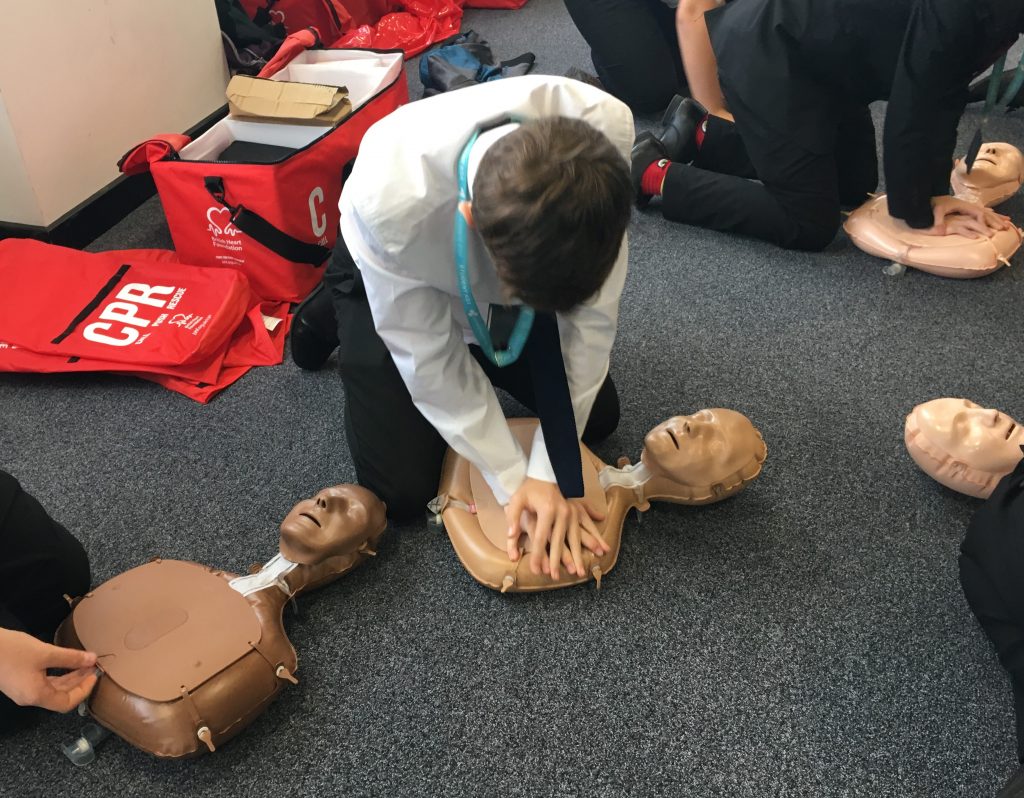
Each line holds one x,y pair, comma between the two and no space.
996,163
321,526
704,448
997,173
980,438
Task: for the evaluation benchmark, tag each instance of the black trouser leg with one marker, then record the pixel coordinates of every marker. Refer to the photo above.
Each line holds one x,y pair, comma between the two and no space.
723,150
634,48
857,155
41,562
795,206
396,451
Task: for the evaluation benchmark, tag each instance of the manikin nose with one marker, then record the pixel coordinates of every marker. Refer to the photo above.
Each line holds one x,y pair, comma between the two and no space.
321,502
985,417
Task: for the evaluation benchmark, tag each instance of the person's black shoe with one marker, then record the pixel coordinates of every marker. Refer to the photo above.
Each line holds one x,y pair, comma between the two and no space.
678,133
1014,788
314,333
646,151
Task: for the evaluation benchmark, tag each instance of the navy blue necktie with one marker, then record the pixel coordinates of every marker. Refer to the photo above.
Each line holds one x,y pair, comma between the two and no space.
543,352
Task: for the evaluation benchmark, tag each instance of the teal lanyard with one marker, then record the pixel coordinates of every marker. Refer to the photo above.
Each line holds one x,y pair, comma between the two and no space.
521,330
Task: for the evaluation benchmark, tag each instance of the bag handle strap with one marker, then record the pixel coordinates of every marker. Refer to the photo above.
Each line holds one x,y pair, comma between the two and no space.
259,229
293,45
159,148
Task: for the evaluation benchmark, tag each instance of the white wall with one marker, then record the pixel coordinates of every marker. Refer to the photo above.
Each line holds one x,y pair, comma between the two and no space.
84,80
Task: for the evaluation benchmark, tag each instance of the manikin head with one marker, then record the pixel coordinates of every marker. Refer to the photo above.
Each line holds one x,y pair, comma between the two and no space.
551,200
335,521
963,446
711,453
996,176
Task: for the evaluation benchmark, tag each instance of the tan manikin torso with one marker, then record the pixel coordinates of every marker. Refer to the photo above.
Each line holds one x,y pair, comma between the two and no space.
189,654
477,526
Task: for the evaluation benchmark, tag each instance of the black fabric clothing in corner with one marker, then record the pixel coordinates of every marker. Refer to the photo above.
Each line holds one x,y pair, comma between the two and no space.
787,67
634,48
40,562
992,576
397,453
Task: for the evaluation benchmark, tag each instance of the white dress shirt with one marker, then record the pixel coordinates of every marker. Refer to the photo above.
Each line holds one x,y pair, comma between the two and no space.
397,214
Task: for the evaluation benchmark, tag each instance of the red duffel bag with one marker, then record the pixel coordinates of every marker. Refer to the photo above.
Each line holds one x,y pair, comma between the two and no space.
262,197
330,17
495,3
59,302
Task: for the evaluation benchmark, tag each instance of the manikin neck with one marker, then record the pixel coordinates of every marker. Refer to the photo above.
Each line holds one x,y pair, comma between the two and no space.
632,477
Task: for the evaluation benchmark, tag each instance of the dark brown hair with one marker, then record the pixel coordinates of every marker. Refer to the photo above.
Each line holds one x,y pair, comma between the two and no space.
551,201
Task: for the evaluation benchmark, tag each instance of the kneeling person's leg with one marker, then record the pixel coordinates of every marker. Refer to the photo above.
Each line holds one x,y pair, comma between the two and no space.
397,452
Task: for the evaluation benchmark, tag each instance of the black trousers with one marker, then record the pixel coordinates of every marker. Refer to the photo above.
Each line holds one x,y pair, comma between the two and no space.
397,453
40,561
992,576
796,203
634,48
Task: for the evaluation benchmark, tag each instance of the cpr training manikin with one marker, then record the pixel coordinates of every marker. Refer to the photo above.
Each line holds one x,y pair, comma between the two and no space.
996,175
697,459
190,655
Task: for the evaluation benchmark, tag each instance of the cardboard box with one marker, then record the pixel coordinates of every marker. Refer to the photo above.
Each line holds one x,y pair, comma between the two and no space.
283,101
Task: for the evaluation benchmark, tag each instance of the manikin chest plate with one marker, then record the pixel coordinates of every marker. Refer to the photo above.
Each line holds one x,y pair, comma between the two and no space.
164,627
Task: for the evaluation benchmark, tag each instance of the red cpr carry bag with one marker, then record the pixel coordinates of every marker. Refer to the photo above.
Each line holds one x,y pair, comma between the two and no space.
277,221
59,302
330,17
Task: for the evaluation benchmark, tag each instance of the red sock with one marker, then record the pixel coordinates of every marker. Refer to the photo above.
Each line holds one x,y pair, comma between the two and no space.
654,176
702,131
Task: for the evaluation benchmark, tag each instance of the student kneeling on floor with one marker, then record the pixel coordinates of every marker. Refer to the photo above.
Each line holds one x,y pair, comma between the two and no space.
545,200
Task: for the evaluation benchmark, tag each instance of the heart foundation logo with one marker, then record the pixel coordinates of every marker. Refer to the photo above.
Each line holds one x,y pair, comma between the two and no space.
220,222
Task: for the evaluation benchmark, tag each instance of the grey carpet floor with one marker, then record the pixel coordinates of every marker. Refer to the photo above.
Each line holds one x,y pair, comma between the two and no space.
807,638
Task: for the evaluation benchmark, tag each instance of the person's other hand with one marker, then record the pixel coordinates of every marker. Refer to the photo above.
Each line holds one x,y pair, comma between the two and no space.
954,216
558,528
582,533
547,510
23,665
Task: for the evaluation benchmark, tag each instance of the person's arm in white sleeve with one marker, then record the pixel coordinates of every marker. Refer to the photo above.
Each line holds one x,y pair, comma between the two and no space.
446,384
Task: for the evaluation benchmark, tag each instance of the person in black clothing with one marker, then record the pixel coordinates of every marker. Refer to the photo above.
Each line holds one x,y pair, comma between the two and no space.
634,49
798,76
40,563
992,576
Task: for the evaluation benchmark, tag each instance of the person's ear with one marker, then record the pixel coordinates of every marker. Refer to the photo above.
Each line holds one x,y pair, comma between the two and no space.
466,209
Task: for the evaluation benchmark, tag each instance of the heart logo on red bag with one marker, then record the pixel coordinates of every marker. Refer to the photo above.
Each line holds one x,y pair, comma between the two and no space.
220,222
277,16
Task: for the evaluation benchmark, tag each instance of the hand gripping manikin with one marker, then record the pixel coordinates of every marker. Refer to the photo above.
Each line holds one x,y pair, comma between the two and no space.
697,459
190,655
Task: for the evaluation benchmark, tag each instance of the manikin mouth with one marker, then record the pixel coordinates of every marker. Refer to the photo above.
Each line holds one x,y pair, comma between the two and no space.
983,159
310,517
1009,432
672,435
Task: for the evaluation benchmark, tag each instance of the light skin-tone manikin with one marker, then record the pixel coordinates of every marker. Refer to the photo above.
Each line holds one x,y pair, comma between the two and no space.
996,175
951,216
964,446
327,524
